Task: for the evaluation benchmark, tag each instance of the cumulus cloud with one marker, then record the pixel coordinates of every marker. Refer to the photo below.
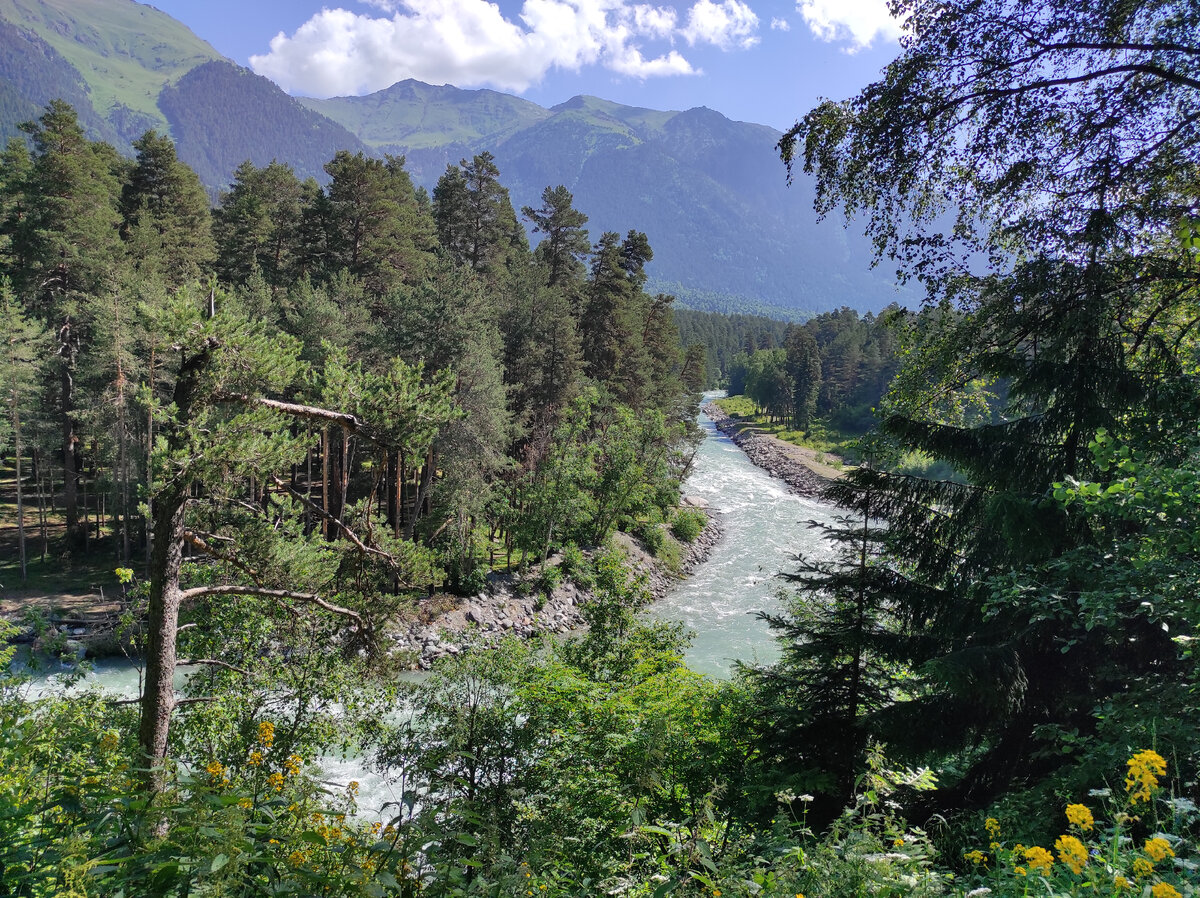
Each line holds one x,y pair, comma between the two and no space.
471,42
727,25
859,22
780,25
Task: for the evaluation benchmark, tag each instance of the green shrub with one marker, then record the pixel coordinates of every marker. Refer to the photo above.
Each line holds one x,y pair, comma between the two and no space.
653,537
549,579
577,568
688,524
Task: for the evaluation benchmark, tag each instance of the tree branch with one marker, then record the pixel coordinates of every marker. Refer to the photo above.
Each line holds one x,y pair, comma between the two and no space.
308,412
200,592
213,662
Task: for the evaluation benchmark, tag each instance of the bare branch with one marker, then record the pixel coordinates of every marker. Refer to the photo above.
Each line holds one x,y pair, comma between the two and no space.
213,662
199,592
308,412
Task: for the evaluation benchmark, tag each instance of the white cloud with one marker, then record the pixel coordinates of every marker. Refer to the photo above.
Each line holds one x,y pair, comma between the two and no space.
858,21
727,25
471,42
780,25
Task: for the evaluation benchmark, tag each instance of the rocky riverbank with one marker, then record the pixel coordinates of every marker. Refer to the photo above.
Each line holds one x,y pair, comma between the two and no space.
506,609
444,624
768,453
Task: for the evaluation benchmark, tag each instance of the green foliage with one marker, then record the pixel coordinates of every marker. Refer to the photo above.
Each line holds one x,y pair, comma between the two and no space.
688,523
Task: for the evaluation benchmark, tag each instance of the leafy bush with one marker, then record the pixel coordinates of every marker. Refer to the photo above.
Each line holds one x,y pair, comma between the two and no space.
576,567
688,524
653,537
549,578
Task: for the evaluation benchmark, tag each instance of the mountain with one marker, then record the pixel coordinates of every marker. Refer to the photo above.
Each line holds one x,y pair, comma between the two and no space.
124,52
728,233
127,67
222,114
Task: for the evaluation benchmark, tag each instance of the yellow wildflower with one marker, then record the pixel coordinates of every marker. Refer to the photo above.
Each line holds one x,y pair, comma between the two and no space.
1144,770
275,781
109,741
1158,848
352,787
1039,858
897,843
245,804
293,764
1020,871
296,858
976,856
256,759
216,771
1164,890
1142,867
1079,815
1120,882
1072,852
266,733
992,825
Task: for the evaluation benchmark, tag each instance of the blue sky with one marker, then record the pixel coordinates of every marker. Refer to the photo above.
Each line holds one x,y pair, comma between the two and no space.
763,61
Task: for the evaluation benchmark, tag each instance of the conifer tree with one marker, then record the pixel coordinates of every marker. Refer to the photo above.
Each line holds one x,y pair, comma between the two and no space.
475,218
257,225
566,240
68,242
166,221
23,342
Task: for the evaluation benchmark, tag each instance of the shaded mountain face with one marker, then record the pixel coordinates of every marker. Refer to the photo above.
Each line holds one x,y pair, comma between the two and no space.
127,68
710,193
727,233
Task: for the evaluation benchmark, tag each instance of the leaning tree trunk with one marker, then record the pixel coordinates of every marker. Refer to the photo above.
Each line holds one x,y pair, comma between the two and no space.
166,561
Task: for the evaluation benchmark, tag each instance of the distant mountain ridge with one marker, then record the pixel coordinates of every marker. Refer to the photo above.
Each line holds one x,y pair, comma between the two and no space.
709,192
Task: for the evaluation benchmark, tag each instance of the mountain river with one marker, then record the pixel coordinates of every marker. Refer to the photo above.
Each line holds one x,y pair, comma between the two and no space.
765,528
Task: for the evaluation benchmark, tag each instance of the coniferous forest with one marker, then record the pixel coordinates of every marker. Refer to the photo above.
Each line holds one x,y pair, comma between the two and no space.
283,420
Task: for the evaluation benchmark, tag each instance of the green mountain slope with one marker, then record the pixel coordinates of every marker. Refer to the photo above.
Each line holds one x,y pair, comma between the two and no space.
124,51
222,115
127,67
412,114
710,193
34,74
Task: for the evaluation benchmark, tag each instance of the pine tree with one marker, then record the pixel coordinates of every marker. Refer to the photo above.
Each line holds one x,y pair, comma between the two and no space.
257,226
68,241
23,343
475,218
566,240
166,222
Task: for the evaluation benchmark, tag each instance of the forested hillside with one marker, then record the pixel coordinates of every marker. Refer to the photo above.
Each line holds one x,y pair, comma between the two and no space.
208,110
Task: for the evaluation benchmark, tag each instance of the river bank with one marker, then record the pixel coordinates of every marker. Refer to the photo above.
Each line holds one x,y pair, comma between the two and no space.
443,625
779,459
506,609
